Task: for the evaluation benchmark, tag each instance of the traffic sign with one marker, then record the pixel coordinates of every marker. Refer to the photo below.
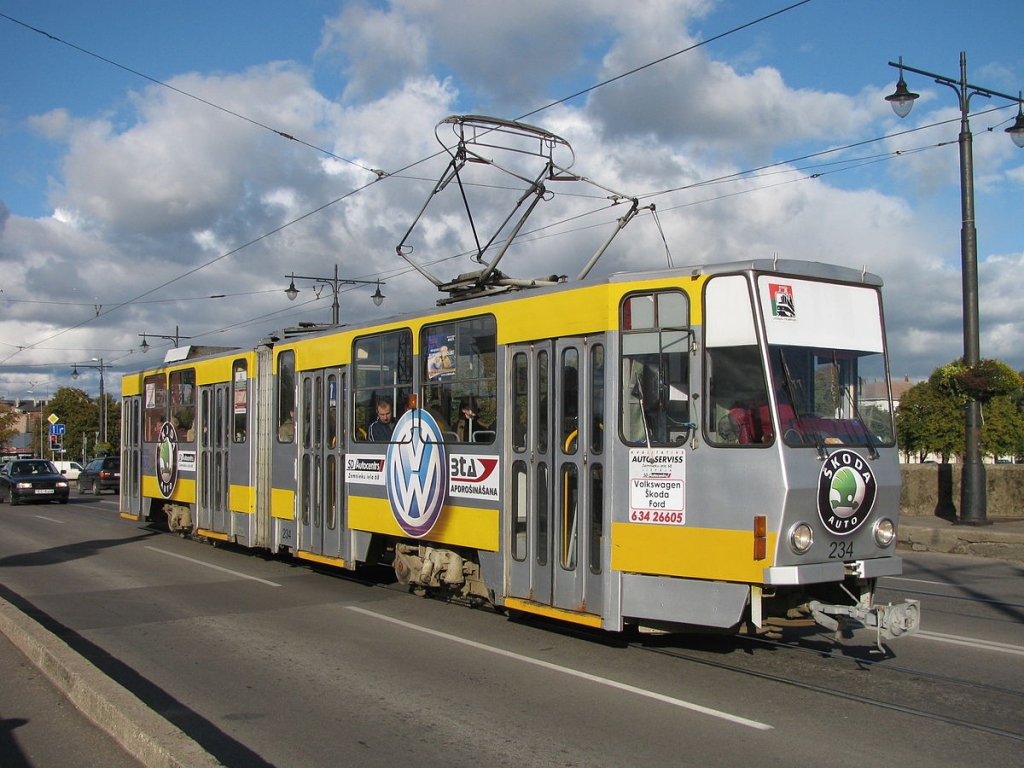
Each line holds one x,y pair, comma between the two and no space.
58,429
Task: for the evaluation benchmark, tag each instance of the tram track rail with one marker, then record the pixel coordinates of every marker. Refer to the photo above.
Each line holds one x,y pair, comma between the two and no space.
952,687
687,648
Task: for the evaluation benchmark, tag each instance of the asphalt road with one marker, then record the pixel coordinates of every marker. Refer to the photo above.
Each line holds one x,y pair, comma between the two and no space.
267,662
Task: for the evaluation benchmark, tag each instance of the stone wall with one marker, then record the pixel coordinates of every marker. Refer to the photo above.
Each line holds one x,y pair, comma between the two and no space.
934,490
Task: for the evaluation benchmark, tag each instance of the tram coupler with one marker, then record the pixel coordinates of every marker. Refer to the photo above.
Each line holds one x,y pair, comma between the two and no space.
890,621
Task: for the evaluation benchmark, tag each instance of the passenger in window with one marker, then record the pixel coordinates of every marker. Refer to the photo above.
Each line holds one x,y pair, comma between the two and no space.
380,431
737,425
286,430
469,422
437,414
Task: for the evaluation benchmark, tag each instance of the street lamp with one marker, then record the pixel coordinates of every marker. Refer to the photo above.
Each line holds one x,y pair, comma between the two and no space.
176,338
103,400
335,283
972,485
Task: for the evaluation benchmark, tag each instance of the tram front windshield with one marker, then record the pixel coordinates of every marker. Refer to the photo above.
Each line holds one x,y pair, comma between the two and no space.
831,396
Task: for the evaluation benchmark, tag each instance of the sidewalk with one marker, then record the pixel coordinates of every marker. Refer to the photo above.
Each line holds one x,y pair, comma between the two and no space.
58,710
40,727
1003,539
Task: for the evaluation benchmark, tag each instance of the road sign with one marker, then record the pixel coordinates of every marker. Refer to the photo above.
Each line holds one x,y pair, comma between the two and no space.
58,429
53,418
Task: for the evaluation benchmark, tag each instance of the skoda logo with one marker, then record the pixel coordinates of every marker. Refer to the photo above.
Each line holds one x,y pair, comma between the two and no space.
416,473
167,459
846,492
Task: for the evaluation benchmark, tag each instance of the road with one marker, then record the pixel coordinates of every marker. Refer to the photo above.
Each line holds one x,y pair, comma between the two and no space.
269,662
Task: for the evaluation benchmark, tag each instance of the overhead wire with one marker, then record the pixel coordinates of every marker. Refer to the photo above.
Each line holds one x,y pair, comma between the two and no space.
379,175
189,95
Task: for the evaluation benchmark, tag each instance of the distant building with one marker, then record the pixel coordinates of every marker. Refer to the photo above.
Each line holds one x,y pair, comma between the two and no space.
29,415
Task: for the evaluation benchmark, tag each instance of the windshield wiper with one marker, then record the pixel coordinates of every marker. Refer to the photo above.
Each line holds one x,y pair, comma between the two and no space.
787,382
872,451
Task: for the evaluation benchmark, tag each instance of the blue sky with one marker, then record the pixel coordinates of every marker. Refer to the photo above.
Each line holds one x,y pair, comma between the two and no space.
115,192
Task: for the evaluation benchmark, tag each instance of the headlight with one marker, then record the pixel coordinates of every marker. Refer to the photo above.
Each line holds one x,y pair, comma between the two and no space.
885,532
62,484
801,537
24,484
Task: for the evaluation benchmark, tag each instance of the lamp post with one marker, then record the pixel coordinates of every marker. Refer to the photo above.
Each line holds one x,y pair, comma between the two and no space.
335,283
42,438
176,338
972,483
103,399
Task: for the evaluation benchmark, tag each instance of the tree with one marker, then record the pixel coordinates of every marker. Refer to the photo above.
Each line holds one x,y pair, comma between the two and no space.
80,416
929,420
8,423
77,413
1002,433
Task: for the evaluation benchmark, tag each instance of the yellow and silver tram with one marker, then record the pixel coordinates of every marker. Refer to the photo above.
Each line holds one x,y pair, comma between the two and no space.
681,448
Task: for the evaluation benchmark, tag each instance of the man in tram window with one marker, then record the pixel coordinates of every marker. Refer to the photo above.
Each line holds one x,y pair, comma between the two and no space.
381,429
469,423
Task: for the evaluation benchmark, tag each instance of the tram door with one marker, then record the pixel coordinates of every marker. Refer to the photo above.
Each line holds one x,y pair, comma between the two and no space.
131,456
555,516
321,476
214,444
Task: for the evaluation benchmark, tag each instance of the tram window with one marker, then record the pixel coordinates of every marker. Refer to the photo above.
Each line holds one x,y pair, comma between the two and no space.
655,368
568,501
597,398
286,397
596,516
155,388
134,422
734,369
460,377
318,411
240,400
204,433
383,371
520,529
332,411
332,493
183,404
307,486
520,401
307,411
570,400
542,514
736,394
542,401
220,436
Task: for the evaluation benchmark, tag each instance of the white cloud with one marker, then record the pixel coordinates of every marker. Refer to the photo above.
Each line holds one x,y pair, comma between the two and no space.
170,184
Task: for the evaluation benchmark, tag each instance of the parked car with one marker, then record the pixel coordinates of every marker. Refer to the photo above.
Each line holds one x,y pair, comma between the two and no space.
24,480
101,475
70,469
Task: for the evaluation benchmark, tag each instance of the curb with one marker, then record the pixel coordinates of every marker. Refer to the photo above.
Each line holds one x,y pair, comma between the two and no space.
963,540
139,730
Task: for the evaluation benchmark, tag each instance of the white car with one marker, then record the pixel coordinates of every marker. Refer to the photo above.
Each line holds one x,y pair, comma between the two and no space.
70,469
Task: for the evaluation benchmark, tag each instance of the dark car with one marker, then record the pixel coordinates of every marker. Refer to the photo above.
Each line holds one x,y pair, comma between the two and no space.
101,475
32,480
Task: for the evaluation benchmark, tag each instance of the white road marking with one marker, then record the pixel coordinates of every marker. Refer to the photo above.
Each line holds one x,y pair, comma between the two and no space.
573,672
986,645
919,581
50,519
214,567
